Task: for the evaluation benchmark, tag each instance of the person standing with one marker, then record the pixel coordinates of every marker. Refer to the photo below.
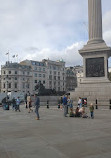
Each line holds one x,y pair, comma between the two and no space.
91,108
17,104
65,105
37,105
80,102
13,104
26,101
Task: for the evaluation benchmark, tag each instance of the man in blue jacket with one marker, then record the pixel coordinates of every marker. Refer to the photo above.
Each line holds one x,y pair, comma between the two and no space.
65,105
37,105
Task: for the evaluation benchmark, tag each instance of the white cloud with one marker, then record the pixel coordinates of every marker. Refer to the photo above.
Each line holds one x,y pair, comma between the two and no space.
37,29
70,55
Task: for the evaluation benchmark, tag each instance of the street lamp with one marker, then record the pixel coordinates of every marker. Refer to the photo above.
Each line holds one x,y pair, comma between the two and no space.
7,89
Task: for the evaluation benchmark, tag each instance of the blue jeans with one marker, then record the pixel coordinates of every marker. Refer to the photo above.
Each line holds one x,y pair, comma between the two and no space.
37,111
92,114
65,110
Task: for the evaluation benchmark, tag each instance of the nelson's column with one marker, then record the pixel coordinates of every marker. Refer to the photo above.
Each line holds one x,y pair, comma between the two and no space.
95,53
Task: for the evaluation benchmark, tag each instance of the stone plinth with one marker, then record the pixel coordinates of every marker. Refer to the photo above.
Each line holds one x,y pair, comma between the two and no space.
95,84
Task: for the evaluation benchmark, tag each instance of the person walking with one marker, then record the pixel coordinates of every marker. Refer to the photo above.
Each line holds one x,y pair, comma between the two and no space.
65,105
37,105
91,108
29,103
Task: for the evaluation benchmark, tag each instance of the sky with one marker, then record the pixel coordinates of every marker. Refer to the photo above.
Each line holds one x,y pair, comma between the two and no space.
47,29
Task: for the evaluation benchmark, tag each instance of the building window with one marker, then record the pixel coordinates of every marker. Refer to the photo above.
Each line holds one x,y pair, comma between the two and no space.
35,68
35,81
43,69
54,72
39,68
4,72
9,72
15,78
54,84
54,67
58,73
4,85
15,72
23,72
36,75
28,73
39,75
27,85
54,77
9,85
15,85
43,82
44,75
23,85
50,77
58,77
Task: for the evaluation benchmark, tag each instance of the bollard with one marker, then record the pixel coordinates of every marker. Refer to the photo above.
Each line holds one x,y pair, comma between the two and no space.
96,104
47,104
110,104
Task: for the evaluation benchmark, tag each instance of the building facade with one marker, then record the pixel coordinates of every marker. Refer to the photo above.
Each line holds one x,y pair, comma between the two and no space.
24,76
56,76
50,73
71,79
16,78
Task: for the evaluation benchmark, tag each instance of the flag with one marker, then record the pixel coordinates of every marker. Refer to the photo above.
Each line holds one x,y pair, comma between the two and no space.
7,53
13,56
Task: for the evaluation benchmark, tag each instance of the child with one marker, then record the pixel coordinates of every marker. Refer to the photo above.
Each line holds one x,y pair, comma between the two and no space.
91,108
71,114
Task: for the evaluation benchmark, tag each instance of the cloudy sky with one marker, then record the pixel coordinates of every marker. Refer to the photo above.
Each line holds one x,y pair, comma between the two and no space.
42,29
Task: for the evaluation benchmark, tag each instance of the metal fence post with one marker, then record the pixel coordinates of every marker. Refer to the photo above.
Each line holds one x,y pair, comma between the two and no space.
110,104
47,104
96,104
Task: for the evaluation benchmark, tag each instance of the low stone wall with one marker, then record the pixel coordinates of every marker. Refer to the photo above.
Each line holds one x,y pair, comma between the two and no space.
53,100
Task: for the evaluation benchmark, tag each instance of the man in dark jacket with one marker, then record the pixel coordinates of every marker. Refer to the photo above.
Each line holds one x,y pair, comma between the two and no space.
37,105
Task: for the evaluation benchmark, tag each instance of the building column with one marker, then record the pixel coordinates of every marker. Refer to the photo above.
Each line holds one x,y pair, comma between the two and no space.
95,21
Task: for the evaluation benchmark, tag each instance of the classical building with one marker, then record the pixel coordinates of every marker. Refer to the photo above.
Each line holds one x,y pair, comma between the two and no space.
56,77
38,70
50,73
16,77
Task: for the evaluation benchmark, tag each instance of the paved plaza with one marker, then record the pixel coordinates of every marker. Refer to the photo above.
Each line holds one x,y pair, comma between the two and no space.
54,136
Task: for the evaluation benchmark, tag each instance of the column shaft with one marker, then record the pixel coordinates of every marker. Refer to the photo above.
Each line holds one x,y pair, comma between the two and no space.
95,20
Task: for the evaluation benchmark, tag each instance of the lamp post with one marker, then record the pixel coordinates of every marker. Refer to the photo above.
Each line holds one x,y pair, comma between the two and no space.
7,89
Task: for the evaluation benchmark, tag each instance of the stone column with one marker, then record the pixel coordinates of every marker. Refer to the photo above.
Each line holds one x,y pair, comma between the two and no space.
95,21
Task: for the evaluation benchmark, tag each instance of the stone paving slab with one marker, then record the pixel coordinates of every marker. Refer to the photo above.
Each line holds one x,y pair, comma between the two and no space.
53,136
